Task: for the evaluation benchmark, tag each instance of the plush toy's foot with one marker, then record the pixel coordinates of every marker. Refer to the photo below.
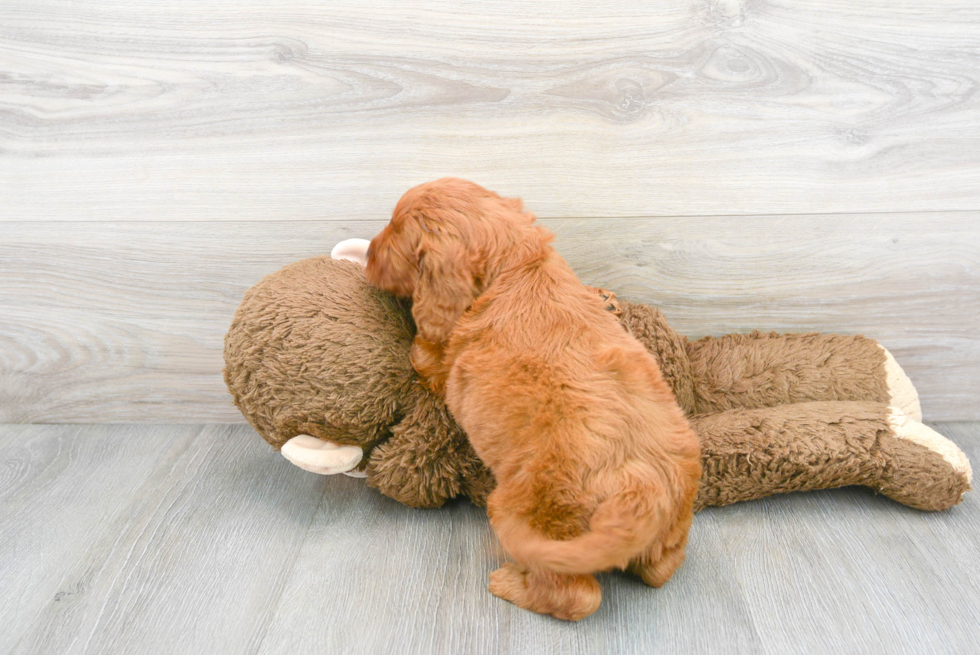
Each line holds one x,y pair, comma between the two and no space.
915,475
903,394
353,250
568,597
323,457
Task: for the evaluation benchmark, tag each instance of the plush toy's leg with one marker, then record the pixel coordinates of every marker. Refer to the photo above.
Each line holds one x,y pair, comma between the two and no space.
765,370
569,597
752,453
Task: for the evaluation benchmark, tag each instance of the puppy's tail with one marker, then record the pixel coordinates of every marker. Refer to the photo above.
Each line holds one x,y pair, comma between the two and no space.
620,529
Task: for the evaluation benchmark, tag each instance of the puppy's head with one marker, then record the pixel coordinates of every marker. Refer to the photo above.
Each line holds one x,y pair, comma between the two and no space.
437,248
395,257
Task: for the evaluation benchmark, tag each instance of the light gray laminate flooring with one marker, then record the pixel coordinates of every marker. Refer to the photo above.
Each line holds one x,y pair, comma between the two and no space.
200,539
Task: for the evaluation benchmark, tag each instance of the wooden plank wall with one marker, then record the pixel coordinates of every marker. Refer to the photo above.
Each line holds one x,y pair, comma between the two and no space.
776,165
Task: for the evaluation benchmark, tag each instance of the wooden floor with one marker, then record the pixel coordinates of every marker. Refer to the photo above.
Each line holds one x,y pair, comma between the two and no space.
200,539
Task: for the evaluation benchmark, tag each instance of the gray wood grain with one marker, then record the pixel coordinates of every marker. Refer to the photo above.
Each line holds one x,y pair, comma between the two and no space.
849,571
956,533
61,488
205,110
200,539
912,282
418,579
195,563
354,587
115,322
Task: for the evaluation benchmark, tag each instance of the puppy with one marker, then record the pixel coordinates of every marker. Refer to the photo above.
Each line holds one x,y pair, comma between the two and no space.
596,465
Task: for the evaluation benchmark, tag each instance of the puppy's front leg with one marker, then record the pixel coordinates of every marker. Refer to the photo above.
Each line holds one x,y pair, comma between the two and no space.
428,359
608,298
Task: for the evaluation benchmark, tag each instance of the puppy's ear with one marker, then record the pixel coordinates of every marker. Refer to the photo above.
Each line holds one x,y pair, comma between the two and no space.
444,290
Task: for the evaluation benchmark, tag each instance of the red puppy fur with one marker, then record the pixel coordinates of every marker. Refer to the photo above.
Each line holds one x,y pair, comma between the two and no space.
596,465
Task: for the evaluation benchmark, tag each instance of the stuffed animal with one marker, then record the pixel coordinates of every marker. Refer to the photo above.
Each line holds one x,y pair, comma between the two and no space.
317,361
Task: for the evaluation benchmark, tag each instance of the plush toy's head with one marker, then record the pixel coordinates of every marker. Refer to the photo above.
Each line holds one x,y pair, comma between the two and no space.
315,350
317,361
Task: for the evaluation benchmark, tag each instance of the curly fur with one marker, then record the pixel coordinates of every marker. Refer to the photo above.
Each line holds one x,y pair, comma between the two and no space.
595,463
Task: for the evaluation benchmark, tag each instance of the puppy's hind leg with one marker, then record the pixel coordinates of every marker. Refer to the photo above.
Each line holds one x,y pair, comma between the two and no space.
568,597
658,563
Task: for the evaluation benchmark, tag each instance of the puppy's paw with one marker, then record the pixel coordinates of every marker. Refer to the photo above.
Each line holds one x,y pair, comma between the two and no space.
566,597
428,361
510,583
434,385
608,299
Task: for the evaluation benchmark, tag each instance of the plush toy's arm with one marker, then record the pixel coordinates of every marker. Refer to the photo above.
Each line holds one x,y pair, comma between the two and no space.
769,369
752,453
425,461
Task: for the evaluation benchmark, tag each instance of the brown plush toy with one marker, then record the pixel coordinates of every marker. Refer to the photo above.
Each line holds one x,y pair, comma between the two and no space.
317,361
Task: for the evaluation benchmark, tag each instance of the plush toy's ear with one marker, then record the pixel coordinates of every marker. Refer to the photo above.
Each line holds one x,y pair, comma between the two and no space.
353,250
